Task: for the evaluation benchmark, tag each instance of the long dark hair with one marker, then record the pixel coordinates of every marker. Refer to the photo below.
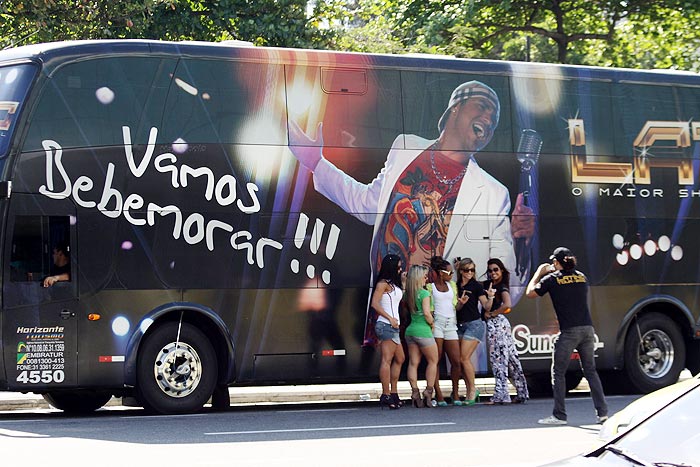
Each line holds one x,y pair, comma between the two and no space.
389,271
505,274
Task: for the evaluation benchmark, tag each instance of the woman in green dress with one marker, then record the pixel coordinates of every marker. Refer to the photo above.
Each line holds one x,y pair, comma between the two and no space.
419,335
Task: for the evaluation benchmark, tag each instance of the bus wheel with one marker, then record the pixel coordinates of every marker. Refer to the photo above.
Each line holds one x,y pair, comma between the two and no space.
176,377
78,401
654,353
692,358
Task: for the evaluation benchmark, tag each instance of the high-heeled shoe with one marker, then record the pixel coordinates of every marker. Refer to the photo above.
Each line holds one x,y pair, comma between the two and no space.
385,400
397,400
428,397
475,400
416,398
456,401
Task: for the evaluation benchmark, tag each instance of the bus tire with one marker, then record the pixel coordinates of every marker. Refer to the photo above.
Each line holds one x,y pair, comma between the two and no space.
79,401
658,358
170,382
692,357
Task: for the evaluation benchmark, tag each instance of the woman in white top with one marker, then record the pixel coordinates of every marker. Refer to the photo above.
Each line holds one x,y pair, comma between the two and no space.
444,292
385,302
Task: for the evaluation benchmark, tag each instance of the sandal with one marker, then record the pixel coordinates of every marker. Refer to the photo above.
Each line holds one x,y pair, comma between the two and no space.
493,402
416,399
477,394
397,400
428,398
388,401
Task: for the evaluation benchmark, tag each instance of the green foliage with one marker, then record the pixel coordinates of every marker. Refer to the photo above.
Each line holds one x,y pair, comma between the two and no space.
629,33
263,22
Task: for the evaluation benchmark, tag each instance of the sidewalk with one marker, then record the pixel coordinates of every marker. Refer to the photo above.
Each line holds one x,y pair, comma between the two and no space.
257,395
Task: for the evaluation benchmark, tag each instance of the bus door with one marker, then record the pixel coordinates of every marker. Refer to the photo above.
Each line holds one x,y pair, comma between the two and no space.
40,314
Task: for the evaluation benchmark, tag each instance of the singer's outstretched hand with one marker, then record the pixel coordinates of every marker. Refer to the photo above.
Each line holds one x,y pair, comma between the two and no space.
522,224
307,151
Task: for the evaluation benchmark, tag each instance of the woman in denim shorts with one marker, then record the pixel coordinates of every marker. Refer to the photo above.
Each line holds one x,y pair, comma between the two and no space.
444,292
385,302
419,336
470,327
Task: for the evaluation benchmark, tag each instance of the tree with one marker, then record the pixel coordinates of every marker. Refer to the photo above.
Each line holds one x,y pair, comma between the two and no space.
600,32
263,22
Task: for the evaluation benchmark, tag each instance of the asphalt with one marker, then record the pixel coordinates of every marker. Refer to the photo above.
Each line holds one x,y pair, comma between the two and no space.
256,395
265,395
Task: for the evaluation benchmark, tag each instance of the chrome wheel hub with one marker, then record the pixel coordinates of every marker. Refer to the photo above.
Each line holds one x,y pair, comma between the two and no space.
177,371
656,353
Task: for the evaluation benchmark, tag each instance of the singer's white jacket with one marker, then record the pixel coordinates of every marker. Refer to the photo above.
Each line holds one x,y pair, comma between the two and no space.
479,228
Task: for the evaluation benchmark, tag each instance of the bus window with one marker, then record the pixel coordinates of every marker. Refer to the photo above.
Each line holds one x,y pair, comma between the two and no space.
86,104
359,108
14,84
225,102
632,106
40,248
426,95
546,105
689,104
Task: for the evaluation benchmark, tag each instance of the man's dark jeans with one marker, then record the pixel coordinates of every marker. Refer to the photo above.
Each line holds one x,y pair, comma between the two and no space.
581,338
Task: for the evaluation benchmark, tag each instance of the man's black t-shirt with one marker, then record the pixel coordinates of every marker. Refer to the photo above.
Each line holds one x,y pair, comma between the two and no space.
470,310
569,292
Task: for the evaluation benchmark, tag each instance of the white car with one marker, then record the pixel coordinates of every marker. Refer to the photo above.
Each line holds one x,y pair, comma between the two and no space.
667,437
643,407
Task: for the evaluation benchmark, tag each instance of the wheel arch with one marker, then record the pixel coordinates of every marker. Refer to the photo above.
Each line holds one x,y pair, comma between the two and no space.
204,318
666,305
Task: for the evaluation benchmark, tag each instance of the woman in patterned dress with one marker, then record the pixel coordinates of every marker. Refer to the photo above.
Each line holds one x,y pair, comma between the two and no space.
505,363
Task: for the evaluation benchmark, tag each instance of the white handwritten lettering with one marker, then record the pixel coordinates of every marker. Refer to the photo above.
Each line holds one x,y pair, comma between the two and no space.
194,228
51,160
108,193
141,169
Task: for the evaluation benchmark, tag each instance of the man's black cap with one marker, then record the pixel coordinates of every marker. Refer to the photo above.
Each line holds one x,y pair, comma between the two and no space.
560,253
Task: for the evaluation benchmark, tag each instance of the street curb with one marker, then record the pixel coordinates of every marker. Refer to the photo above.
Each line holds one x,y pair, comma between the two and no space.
259,395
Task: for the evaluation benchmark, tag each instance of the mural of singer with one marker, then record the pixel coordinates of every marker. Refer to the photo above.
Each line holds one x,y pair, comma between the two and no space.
421,201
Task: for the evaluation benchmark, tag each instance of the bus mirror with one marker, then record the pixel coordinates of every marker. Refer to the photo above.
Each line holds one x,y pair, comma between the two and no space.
5,189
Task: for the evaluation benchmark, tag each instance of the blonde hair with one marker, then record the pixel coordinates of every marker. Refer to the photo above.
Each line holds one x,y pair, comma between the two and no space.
413,285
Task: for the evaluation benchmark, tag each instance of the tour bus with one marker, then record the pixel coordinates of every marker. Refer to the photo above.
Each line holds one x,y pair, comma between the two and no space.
179,218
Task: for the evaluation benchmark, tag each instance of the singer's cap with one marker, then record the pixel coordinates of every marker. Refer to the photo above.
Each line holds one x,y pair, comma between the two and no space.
560,253
470,89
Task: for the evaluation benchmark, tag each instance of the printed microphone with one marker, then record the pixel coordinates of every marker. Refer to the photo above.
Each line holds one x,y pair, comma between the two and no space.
529,149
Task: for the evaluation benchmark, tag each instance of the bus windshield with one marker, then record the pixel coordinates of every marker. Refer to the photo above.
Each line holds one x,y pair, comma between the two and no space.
14,84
